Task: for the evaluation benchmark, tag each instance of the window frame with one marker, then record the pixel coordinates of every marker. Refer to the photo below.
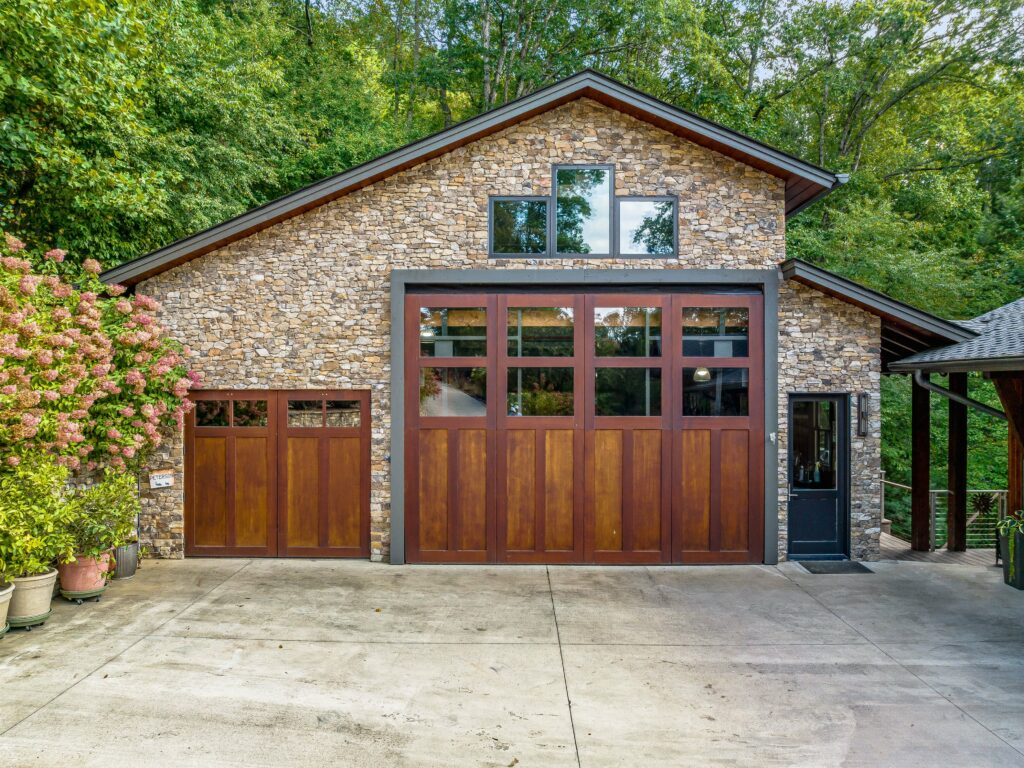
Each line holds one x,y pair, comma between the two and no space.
548,225
616,221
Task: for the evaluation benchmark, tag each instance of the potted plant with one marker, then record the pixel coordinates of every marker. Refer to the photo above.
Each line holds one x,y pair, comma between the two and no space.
1011,547
102,520
35,516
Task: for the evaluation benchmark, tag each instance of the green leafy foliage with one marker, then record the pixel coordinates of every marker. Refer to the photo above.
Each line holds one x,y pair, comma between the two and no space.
37,512
104,514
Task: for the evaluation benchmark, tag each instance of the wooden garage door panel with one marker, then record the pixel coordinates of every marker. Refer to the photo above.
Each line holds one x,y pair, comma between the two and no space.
253,490
693,522
520,488
302,500
734,492
607,489
471,489
559,489
211,492
646,490
433,489
344,491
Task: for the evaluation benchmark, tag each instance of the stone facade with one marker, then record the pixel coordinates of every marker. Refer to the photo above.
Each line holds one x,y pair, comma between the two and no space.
306,303
829,346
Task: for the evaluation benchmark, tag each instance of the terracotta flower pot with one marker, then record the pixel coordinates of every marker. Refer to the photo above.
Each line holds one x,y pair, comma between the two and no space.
6,591
30,603
86,574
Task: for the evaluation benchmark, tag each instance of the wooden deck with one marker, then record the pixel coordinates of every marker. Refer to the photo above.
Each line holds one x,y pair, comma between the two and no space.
898,549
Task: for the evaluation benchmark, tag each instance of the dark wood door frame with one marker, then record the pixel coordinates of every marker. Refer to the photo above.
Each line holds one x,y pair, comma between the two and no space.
843,417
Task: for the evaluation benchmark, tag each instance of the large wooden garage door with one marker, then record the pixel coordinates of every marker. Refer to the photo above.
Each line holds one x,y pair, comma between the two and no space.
277,474
567,428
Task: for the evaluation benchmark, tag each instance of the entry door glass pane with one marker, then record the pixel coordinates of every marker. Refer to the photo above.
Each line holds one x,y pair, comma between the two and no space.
453,392
627,332
540,391
212,413
343,413
583,219
627,392
716,331
453,331
814,444
540,332
647,227
305,413
715,392
250,413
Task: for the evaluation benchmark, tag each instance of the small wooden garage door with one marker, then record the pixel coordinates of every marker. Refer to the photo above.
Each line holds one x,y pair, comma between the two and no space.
277,474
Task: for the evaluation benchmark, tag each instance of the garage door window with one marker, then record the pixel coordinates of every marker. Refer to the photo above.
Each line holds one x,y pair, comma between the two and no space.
715,391
627,392
716,331
453,391
627,332
540,332
213,413
305,413
250,413
453,331
540,391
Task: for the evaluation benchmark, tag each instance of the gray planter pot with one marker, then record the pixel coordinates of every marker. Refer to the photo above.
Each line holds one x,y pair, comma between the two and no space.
1011,548
127,560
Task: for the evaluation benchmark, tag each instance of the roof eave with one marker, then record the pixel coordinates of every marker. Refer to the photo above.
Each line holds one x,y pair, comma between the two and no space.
873,301
966,365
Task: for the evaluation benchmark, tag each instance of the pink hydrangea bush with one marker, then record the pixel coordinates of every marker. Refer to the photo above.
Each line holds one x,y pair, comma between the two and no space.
87,373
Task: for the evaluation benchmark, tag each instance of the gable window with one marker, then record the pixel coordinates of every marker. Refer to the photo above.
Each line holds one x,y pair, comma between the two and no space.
583,217
583,210
519,226
646,226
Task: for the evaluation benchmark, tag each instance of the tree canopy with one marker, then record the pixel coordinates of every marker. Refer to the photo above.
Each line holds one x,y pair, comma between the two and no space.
124,126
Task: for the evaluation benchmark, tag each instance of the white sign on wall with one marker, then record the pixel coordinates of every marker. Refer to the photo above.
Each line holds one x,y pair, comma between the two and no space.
161,479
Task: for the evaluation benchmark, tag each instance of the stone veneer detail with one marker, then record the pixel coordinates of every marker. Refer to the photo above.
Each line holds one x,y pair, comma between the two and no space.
829,346
306,303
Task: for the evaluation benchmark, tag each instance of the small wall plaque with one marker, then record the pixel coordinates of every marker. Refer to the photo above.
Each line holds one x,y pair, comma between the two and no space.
161,479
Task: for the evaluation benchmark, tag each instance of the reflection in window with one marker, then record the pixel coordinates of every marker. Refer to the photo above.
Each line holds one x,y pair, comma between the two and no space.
540,391
519,226
540,332
453,392
715,331
453,332
212,413
627,392
715,392
814,444
250,413
583,210
647,227
305,413
343,413
627,332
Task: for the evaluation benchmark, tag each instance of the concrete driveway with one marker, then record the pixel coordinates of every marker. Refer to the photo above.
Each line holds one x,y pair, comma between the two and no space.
328,663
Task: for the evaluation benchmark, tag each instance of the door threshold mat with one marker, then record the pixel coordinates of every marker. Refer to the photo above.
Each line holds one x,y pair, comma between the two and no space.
834,566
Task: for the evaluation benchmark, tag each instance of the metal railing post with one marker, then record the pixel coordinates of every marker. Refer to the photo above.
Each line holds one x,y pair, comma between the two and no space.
931,526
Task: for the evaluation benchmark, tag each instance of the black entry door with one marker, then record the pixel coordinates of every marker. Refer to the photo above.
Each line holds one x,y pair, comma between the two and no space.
818,477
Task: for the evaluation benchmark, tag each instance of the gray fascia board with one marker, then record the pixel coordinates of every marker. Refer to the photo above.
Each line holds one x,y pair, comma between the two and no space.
411,153
967,365
877,302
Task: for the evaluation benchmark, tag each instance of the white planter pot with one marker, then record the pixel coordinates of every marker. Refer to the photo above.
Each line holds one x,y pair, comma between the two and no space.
30,603
5,600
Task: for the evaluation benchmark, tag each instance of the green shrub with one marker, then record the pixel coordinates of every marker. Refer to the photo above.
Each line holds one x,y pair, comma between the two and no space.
104,514
36,513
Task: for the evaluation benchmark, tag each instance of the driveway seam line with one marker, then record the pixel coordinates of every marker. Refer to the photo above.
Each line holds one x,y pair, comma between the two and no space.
902,666
127,648
561,656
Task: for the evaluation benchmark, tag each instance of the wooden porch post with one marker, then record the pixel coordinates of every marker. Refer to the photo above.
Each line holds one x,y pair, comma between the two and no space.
957,467
920,471
1010,387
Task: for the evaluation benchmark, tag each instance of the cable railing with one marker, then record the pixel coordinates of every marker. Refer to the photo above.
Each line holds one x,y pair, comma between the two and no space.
985,508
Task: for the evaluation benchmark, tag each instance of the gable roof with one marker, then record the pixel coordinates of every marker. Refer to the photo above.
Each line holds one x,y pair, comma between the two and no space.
905,329
999,345
805,182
